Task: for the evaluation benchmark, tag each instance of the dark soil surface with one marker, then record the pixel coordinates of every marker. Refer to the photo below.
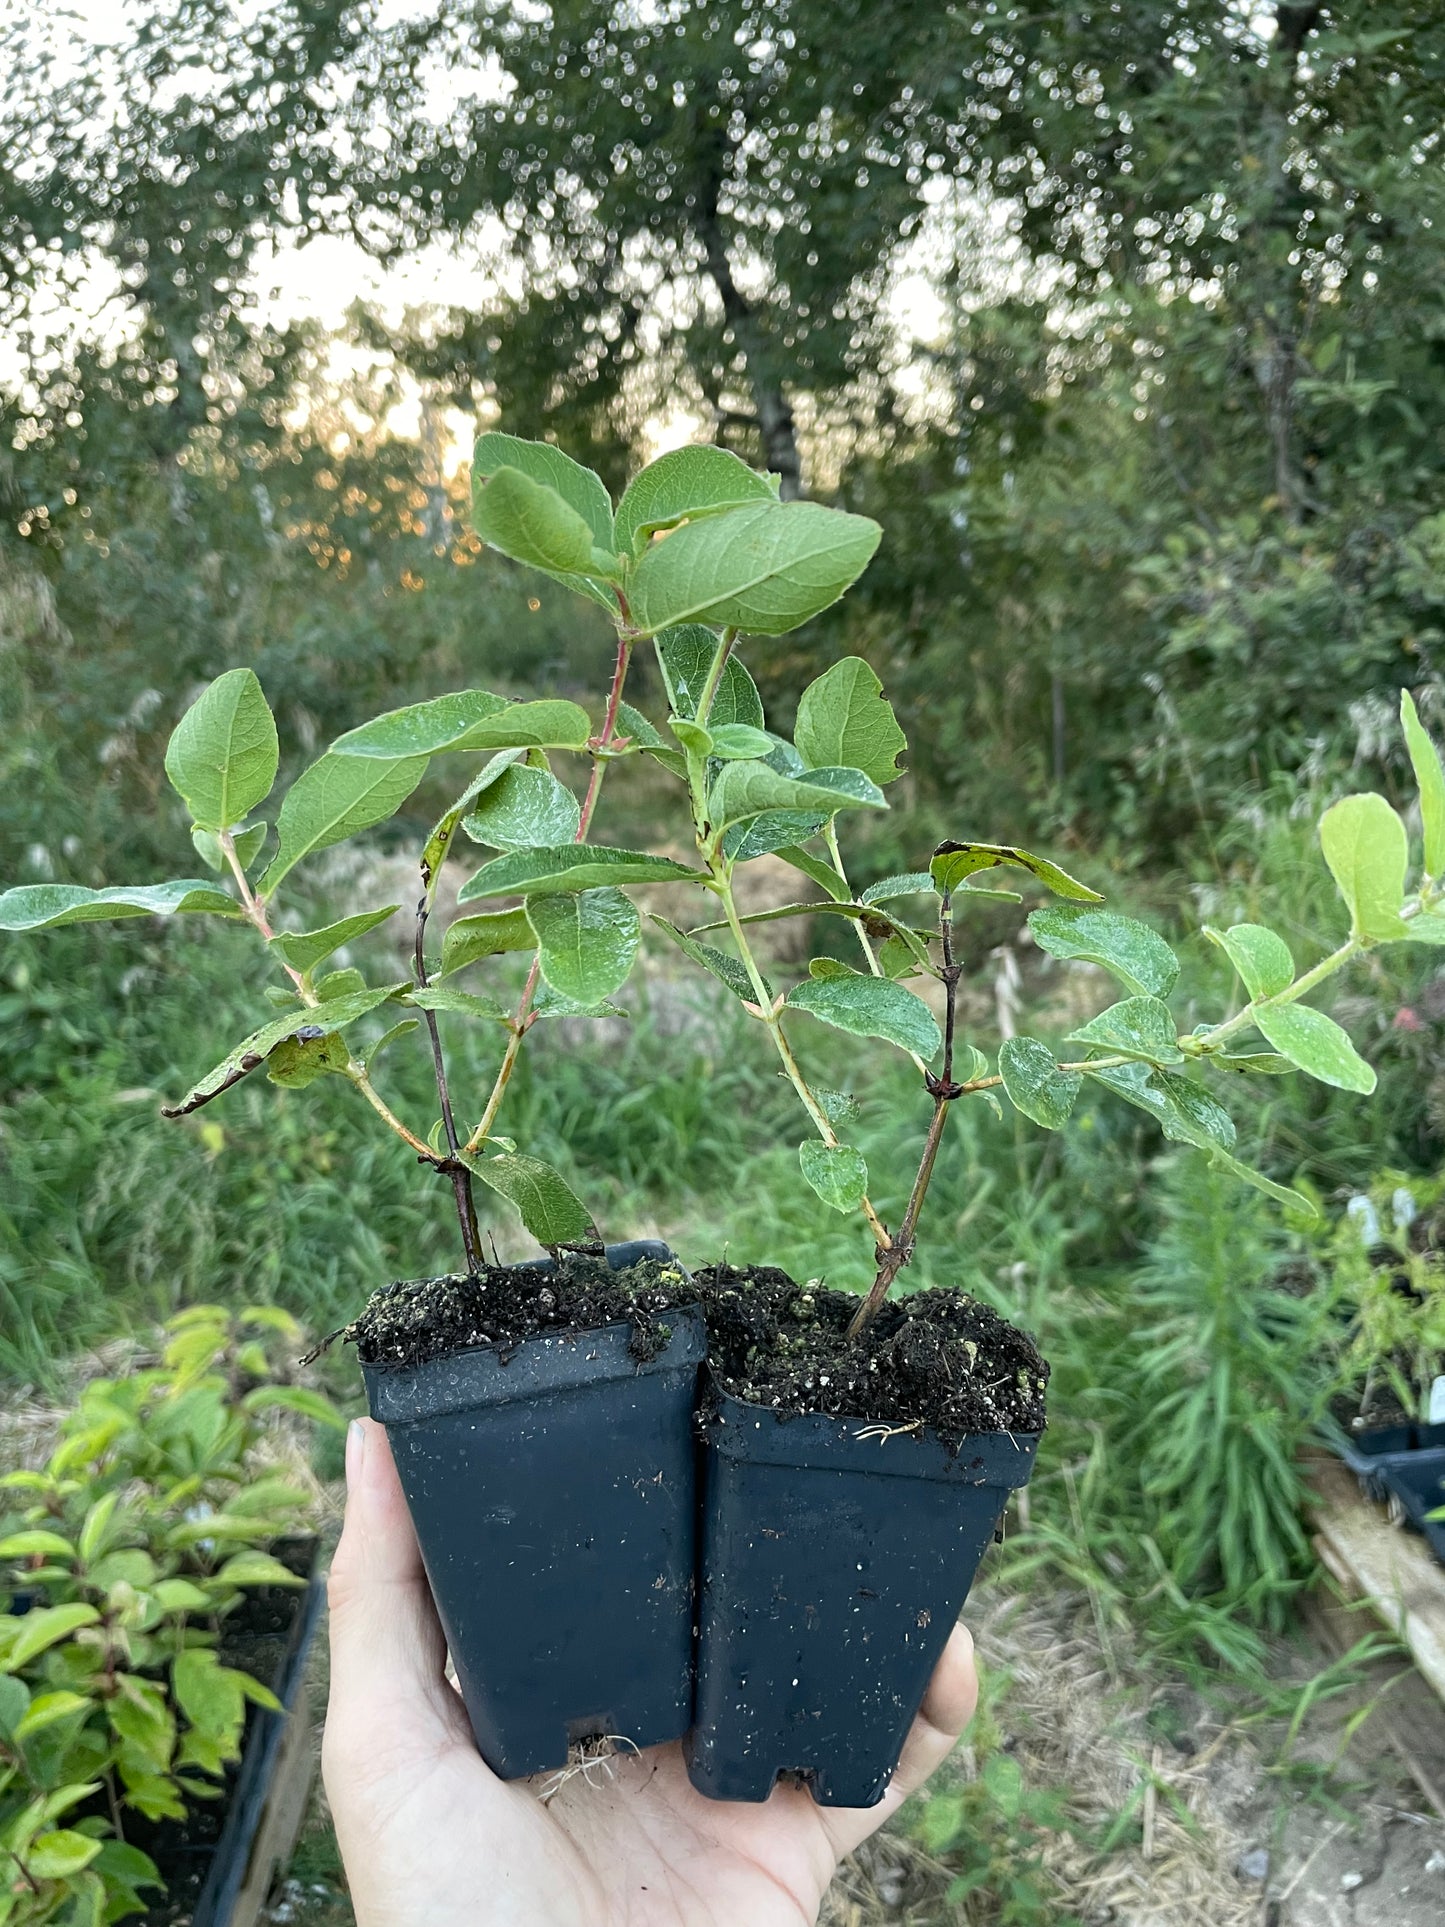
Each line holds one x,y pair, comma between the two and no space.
255,1638
935,1355
410,1322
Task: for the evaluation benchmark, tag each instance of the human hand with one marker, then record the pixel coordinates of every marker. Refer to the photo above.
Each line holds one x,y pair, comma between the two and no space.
430,1837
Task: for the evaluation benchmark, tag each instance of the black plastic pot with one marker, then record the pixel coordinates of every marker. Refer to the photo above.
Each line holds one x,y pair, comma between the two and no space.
553,1491
836,1556
1370,1455
1416,1481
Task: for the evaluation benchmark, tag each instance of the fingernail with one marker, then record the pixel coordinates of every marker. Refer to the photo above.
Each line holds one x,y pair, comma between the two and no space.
355,1453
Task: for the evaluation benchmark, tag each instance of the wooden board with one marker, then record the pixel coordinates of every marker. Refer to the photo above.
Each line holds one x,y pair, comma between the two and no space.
285,1811
1393,1573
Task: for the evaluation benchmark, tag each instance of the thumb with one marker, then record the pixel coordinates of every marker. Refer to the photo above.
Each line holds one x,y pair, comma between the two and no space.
947,1708
388,1653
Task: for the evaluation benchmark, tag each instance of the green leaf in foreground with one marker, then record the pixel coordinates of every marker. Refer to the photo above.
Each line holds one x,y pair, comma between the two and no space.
580,488
1130,950
687,483
46,906
1430,780
223,754
685,655
765,569
1317,1044
844,718
1293,1200
530,522
1365,845
745,790
253,1051
298,1061
1138,1027
869,1007
524,809
1185,1111
247,843
836,1172
490,934
823,874
726,968
333,800
304,949
468,720
1261,958
463,1003
577,866
586,942
914,883
954,862
1036,1083
546,1203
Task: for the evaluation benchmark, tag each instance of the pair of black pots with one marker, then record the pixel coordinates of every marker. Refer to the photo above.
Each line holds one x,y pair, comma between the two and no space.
1404,1465
618,1551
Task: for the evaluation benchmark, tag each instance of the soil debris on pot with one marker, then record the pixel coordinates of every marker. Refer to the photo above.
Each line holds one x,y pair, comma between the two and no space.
934,1356
415,1320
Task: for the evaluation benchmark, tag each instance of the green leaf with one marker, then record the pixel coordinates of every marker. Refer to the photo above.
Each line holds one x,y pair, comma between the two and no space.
304,949
740,742
837,1173
248,845
1430,780
339,983
546,1203
1035,1082
295,1398
686,483
490,934
531,523
442,997
223,754
843,718
1263,1063
443,833
1138,1027
953,862
632,723
334,799
773,830
471,720
685,656
524,809
59,1855
36,1541
915,883
46,1709
745,790
1185,1111
870,1007
586,942
14,1693
726,968
839,1107
44,1628
181,1596
1316,1043
1368,853
1295,1200
298,1061
256,1568
1260,957
369,1056
45,906
1135,954
577,866
696,740
823,874
254,1050
540,462
551,1003
765,569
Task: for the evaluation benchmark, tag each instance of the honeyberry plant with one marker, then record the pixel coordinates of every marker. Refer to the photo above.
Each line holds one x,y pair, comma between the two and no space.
698,552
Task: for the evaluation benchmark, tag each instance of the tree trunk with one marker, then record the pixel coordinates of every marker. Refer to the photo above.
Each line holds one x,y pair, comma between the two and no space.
773,410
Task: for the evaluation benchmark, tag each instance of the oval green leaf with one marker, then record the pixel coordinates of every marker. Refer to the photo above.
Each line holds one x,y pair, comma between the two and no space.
1140,1027
470,939
685,656
46,906
524,809
844,718
745,790
836,1172
685,484
1036,1083
581,489
1368,853
253,1051
546,1203
764,569
954,862
1130,950
1261,958
1430,780
1317,1044
335,799
870,1007
586,943
223,754
304,949
578,866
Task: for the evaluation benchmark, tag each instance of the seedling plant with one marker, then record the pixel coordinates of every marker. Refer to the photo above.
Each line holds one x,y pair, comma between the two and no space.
698,553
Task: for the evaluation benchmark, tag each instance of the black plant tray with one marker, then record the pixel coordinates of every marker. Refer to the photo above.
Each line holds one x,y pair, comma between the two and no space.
1370,1455
836,1557
1417,1481
553,1490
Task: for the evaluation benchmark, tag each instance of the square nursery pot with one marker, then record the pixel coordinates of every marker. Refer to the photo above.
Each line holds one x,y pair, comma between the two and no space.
553,1490
836,1556
1415,1485
1372,1454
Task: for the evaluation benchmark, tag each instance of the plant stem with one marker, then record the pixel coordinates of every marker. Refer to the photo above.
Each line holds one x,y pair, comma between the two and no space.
714,676
460,1176
524,1017
354,1072
943,1090
830,837
771,1018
